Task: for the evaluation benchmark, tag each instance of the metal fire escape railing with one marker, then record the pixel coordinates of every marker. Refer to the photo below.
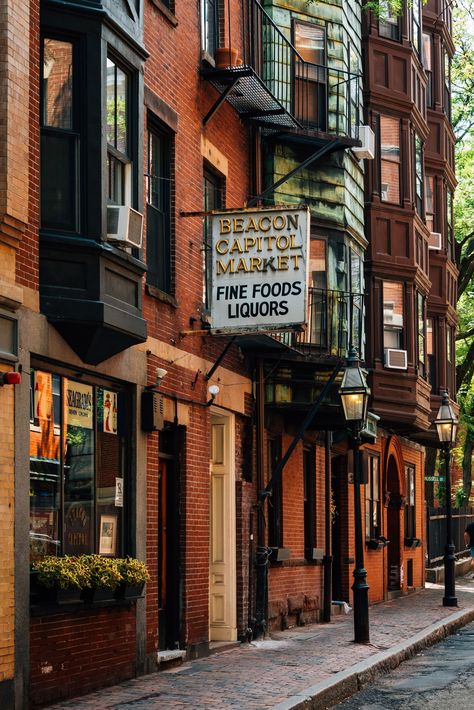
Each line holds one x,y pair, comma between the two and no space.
335,322
272,85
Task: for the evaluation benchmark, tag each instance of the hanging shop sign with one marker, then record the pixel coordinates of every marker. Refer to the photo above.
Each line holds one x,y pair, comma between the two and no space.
79,405
259,269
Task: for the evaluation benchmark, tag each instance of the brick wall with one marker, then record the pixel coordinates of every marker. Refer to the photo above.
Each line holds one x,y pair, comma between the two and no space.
74,654
6,532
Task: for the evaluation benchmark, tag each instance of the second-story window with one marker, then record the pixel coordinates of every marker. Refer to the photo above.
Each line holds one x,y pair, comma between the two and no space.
310,74
213,199
209,26
318,295
421,334
390,159
389,22
418,174
119,185
372,500
427,59
410,520
60,137
158,209
393,315
416,25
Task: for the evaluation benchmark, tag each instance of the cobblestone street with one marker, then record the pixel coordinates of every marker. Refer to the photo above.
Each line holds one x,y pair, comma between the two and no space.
278,672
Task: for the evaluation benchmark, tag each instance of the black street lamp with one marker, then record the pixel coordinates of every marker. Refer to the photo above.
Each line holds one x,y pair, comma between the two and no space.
355,397
446,425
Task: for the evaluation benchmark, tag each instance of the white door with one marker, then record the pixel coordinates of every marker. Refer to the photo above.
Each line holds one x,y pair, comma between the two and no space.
222,568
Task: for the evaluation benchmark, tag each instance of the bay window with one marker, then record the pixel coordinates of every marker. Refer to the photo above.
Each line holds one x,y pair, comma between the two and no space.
416,25
393,321
390,159
60,136
418,174
389,21
449,224
427,60
118,142
421,334
78,466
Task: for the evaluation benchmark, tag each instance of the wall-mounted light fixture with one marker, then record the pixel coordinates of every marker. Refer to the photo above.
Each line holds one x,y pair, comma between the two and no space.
213,391
160,375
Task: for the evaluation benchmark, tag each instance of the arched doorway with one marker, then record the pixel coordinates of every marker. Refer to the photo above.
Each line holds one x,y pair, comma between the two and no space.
394,500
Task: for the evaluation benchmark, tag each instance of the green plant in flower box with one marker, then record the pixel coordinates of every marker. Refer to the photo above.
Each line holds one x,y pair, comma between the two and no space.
62,573
132,571
104,571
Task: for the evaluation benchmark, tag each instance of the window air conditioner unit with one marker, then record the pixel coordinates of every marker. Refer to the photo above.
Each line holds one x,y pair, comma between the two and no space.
395,359
434,241
124,226
367,138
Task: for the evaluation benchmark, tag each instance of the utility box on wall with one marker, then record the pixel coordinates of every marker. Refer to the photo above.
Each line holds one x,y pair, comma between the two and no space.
152,411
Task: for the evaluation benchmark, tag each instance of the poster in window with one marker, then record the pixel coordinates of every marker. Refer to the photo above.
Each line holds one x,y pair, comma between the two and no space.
110,412
79,405
108,535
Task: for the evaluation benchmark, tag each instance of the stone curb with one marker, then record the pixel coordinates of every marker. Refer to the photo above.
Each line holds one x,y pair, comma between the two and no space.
342,685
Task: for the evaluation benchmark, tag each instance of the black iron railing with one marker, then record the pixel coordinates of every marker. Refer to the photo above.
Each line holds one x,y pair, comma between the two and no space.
335,323
436,532
320,97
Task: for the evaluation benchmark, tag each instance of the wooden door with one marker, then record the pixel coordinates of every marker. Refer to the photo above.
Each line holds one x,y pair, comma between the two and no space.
222,568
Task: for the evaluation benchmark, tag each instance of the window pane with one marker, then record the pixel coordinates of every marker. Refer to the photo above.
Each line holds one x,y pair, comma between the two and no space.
393,313
116,180
213,189
390,159
117,107
79,468
57,84
309,41
388,23
45,470
58,181
111,103
121,108
209,25
110,466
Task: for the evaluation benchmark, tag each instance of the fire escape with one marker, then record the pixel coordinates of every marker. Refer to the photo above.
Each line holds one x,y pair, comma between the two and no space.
291,100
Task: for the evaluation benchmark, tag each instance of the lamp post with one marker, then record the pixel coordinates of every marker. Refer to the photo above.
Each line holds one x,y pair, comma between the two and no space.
355,396
446,425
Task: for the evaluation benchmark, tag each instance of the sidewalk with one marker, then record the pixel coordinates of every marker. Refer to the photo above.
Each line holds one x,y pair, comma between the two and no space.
309,667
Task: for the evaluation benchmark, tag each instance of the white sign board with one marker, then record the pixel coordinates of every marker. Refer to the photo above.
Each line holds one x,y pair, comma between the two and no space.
259,269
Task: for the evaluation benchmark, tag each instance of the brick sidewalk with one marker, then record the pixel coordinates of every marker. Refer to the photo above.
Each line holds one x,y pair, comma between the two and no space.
272,672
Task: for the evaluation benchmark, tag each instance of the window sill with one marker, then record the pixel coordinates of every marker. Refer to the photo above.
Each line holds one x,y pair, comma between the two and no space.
161,295
412,542
166,12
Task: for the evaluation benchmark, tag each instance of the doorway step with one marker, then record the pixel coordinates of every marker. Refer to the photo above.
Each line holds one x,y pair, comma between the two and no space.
170,659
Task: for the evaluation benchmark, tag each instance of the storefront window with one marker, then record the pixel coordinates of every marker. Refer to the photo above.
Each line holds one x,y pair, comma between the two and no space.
77,467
